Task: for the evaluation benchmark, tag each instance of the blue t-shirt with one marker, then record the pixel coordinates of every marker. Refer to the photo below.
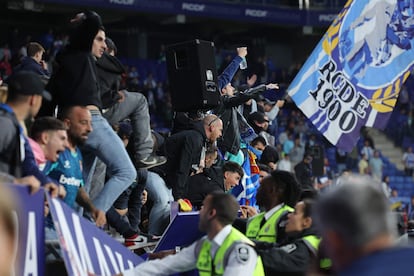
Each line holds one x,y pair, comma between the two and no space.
67,170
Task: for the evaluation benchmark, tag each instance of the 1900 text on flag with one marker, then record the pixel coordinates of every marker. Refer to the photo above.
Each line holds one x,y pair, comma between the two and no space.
354,75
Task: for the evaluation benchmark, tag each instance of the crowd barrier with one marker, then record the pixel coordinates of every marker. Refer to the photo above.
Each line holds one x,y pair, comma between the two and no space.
86,249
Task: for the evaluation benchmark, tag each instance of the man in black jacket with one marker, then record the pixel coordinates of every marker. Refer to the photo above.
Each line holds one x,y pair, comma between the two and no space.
34,61
25,92
120,104
213,179
229,113
186,152
303,172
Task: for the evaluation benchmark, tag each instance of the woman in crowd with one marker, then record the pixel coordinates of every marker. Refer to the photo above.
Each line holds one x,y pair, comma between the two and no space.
293,255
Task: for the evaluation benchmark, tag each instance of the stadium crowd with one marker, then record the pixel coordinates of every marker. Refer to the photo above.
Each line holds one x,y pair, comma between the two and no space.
256,146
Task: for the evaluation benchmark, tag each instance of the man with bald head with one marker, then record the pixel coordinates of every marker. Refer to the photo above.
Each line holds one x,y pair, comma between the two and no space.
186,152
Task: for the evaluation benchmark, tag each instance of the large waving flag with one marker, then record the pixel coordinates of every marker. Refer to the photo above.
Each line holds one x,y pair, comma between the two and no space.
354,75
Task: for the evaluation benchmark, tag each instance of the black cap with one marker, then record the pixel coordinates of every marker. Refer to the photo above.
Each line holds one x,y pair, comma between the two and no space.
27,83
125,129
110,44
269,154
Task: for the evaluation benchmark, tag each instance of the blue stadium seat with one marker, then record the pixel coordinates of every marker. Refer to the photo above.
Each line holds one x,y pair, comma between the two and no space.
392,178
400,179
408,179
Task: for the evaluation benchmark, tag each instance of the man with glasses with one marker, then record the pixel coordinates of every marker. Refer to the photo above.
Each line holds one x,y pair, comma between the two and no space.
186,152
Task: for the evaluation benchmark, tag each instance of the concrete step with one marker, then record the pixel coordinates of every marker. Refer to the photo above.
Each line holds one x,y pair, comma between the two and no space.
381,140
387,147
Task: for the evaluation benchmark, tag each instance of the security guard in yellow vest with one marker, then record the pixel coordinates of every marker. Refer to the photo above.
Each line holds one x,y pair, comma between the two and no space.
277,192
234,242
293,255
223,251
263,227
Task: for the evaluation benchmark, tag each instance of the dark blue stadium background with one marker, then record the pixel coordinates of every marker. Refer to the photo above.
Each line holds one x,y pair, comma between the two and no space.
282,29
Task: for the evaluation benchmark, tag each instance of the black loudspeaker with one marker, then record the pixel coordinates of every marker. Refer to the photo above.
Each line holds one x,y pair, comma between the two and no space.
318,156
192,75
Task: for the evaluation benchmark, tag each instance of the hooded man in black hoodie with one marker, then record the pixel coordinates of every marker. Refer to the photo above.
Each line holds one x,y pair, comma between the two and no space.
74,82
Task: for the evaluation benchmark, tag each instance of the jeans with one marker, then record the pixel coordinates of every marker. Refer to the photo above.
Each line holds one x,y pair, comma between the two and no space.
120,224
161,196
131,199
134,107
105,144
98,179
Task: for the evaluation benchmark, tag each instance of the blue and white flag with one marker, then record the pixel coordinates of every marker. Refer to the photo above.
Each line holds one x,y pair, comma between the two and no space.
354,75
245,192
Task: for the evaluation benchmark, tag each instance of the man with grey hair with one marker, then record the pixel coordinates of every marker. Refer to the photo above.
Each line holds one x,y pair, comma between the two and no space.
359,230
186,152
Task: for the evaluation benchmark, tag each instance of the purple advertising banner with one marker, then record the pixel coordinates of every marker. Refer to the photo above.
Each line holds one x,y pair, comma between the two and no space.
182,231
30,227
228,11
86,249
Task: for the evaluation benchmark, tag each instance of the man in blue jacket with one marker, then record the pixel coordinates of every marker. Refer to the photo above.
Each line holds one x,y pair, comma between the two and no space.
34,61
